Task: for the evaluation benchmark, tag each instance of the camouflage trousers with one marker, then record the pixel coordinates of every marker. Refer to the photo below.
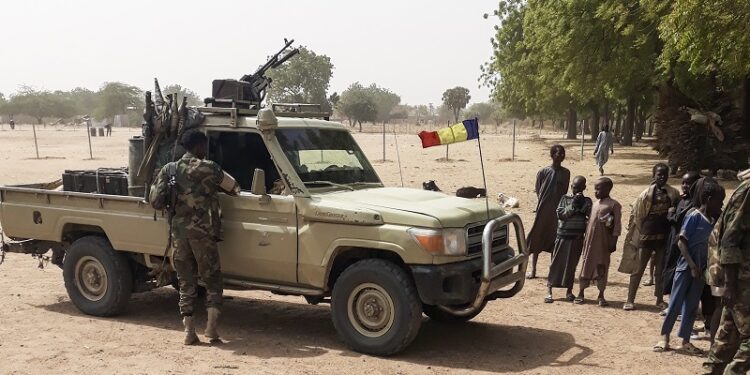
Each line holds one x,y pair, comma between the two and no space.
193,258
730,353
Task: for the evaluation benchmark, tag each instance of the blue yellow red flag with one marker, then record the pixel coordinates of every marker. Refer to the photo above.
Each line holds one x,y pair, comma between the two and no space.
463,131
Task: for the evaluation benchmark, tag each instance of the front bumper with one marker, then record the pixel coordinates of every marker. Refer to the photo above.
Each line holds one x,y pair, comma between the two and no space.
461,288
454,283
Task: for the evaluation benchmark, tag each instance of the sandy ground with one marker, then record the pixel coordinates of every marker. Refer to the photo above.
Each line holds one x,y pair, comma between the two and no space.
41,331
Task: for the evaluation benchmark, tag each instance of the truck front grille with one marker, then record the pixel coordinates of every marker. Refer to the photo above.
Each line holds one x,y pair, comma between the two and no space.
474,238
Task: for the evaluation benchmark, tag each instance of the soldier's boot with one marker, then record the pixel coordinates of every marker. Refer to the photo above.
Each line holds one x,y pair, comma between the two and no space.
211,325
191,338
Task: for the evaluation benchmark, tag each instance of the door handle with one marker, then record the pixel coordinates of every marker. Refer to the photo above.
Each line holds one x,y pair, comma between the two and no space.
264,239
273,219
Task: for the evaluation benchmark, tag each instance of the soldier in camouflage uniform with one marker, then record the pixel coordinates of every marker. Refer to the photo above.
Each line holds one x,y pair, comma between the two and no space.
196,229
730,353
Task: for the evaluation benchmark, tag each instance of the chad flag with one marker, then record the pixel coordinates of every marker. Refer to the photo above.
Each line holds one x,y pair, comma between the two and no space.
464,131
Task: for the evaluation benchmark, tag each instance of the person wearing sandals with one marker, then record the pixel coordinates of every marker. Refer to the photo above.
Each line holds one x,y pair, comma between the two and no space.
675,216
600,240
647,234
688,279
551,184
730,353
572,214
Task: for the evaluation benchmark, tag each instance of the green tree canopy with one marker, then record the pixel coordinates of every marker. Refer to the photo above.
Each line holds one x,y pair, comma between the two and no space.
456,99
3,104
554,56
193,98
303,79
482,110
385,102
421,112
85,100
706,35
115,98
40,104
333,99
358,104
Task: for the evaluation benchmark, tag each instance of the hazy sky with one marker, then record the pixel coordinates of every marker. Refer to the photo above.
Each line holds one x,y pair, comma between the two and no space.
415,48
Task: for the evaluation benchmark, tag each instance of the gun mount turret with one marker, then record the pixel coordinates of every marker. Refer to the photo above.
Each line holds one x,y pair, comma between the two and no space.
250,90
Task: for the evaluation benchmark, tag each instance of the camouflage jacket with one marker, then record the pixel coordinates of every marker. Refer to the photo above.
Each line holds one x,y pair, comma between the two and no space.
733,237
196,213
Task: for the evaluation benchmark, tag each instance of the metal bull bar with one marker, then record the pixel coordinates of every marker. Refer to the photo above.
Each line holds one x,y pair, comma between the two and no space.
496,276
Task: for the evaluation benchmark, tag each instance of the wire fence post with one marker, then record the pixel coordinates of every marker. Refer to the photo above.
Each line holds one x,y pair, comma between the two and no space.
583,138
513,156
36,144
446,146
88,133
383,141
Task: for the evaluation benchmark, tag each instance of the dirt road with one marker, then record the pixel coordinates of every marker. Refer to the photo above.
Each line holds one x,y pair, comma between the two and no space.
41,331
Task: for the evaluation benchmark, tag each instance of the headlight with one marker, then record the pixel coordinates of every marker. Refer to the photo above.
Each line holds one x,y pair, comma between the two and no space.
441,241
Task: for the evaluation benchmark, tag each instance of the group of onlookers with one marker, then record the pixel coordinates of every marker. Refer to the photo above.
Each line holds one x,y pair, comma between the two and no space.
700,254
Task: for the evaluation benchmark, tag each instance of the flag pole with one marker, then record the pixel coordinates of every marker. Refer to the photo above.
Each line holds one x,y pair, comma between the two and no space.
484,177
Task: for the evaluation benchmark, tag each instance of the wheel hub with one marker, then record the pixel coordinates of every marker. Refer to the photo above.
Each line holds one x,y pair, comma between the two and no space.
91,278
371,310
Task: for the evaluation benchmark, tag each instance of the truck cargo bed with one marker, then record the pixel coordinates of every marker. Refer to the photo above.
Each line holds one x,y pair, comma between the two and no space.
44,214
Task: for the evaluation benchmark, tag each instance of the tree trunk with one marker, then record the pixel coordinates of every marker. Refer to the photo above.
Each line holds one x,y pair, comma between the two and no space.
641,125
595,129
638,126
651,127
360,126
746,106
585,126
618,123
533,124
627,131
39,120
607,113
572,121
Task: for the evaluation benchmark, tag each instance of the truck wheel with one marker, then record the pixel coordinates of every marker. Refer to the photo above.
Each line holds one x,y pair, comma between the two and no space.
439,315
98,279
375,307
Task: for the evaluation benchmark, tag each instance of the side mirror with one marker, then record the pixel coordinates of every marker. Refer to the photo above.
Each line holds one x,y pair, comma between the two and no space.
259,182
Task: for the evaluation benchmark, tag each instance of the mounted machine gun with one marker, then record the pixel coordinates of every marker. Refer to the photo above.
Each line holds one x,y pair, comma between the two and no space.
250,90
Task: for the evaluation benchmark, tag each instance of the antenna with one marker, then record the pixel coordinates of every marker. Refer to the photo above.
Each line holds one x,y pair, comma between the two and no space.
398,156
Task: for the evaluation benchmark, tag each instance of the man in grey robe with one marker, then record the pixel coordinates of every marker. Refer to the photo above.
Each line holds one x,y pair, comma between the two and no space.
551,184
604,147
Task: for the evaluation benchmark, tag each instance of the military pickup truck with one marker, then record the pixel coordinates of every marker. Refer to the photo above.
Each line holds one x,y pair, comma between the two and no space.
331,232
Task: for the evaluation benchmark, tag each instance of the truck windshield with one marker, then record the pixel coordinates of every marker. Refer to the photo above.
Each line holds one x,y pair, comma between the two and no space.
326,158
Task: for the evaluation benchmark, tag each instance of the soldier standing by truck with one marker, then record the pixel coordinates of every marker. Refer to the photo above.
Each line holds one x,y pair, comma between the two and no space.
730,353
196,229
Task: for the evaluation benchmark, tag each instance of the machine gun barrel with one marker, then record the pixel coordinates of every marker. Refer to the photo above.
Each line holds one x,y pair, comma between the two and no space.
285,58
273,62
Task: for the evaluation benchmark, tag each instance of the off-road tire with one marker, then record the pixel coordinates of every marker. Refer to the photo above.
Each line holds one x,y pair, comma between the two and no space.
439,315
407,308
119,276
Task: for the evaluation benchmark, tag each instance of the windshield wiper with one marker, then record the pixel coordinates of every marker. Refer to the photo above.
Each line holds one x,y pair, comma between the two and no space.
328,183
365,183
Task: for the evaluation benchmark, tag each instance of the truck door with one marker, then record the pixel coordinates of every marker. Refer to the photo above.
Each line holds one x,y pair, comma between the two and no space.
260,237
